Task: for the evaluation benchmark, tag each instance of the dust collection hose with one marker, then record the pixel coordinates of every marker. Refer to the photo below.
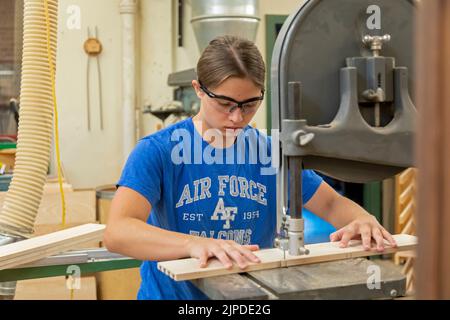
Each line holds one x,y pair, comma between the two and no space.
23,198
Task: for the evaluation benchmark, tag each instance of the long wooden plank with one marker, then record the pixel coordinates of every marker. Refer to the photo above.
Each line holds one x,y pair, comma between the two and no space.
18,261
39,254
43,246
330,251
188,269
42,229
49,240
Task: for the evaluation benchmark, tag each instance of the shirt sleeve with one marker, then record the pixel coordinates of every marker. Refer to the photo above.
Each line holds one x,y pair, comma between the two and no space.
310,183
143,170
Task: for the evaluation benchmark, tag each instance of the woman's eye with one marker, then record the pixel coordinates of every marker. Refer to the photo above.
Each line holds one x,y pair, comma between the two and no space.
251,105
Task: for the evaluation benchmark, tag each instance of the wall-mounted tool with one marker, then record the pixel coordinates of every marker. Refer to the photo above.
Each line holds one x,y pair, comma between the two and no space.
185,102
93,48
172,108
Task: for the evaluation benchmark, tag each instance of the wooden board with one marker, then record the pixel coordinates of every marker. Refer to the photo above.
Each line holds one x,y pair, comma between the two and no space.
43,229
36,248
188,269
8,156
80,207
53,187
55,288
118,284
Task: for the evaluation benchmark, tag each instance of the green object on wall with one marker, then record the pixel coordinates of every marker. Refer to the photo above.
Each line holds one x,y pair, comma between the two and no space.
273,26
372,199
7,145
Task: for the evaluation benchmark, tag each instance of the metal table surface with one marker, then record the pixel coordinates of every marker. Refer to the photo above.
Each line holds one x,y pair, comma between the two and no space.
344,279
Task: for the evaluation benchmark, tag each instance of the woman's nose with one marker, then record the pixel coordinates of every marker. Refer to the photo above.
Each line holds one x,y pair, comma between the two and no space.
236,115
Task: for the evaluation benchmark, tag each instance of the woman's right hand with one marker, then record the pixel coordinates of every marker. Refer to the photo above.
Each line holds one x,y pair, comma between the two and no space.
226,251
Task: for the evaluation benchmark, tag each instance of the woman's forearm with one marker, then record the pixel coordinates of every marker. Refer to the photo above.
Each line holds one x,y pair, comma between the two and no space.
343,211
134,238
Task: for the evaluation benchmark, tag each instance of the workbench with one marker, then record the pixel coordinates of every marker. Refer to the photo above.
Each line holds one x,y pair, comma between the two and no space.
344,279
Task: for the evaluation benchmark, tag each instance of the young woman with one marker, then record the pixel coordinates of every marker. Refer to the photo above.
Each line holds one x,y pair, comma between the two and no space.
202,187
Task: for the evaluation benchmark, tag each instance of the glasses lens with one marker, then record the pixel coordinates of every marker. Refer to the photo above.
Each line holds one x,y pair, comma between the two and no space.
227,106
223,105
250,107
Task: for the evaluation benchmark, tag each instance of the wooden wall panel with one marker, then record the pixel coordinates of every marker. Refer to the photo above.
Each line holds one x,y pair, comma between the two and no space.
433,149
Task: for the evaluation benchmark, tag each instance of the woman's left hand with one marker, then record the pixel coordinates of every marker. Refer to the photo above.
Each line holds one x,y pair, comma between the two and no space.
364,227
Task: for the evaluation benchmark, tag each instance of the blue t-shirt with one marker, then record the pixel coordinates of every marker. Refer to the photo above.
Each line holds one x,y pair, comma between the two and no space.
200,190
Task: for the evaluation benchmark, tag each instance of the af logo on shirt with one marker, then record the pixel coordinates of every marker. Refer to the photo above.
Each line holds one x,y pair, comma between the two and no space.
232,186
226,213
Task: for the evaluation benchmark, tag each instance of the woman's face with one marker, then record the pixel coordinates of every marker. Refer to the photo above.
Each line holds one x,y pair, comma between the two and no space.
215,114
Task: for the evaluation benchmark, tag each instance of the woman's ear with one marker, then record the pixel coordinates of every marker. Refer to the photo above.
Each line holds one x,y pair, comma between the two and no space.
197,89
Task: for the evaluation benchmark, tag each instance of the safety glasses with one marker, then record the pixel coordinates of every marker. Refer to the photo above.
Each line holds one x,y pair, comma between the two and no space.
228,105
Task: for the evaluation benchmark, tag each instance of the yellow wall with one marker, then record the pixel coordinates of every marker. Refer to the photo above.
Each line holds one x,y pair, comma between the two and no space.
94,158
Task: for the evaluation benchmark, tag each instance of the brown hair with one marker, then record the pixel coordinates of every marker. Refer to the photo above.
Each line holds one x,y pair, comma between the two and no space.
230,56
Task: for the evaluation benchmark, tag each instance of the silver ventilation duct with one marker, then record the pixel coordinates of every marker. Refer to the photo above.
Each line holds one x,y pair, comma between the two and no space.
212,18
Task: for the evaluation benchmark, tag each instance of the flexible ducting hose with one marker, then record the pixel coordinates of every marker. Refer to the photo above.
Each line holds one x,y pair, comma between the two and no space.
23,198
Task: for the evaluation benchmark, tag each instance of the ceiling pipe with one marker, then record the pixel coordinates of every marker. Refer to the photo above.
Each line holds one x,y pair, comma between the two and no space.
128,12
